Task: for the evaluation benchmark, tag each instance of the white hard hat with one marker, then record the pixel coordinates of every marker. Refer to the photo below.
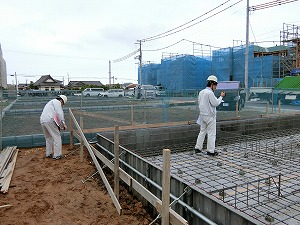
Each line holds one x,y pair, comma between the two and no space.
212,78
64,98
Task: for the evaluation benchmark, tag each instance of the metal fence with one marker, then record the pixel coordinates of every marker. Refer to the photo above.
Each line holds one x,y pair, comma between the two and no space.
20,114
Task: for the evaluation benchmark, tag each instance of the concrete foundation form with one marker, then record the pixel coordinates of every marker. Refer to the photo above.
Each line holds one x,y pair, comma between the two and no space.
254,180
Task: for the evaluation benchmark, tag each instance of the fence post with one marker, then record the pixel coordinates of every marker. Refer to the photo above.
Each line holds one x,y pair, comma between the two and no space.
116,161
189,115
165,218
131,115
71,131
279,105
81,140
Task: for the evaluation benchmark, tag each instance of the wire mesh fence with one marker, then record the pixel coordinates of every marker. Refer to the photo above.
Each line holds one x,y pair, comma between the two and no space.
20,114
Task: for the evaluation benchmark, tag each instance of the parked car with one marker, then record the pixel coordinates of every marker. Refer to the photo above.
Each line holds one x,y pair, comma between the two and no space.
113,93
160,91
93,92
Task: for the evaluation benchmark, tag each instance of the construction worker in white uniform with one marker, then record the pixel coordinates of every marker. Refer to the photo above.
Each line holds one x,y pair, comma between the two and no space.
208,116
52,120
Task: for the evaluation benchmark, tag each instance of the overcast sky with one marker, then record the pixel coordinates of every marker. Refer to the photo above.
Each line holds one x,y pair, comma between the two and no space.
75,39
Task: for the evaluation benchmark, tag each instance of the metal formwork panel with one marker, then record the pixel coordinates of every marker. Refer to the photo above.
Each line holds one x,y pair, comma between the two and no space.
255,179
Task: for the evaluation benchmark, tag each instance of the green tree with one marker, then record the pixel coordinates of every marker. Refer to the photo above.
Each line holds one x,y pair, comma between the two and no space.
32,86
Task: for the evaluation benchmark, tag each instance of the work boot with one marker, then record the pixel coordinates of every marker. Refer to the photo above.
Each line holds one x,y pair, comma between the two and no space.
197,150
49,156
212,154
58,157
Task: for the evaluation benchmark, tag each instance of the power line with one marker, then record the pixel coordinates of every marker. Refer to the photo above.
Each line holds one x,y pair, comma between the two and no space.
270,4
193,42
146,39
126,56
152,50
168,33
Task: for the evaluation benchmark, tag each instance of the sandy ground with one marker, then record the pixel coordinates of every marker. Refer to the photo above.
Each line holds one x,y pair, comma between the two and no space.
46,191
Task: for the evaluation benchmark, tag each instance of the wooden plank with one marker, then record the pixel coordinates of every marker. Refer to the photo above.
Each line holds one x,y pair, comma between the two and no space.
77,136
151,198
123,175
6,183
175,218
104,179
5,206
138,126
6,154
116,162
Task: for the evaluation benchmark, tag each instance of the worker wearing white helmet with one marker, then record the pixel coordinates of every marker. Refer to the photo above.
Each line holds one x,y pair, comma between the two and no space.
207,118
52,120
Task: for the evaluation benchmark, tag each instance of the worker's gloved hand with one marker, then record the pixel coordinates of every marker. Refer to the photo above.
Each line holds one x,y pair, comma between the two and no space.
65,126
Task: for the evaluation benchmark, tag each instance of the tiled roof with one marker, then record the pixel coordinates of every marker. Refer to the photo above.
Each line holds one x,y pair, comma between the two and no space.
81,83
47,80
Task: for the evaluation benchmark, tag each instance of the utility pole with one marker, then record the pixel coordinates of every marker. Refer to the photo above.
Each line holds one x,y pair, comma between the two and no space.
140,59
247,51
17,88
16,80
109,72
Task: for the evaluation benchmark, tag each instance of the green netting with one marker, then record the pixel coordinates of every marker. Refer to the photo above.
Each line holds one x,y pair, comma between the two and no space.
289,82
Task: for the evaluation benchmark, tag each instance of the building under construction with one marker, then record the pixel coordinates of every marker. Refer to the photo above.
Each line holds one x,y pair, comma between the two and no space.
266,67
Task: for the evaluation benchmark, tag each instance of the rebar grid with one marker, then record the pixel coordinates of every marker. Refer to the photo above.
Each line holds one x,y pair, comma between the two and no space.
259,176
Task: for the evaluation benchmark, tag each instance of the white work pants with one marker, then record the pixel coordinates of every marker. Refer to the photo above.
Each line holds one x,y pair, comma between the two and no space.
53,139
208,127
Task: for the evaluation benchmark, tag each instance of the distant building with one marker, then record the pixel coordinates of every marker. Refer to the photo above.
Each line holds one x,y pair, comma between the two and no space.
47,83
3,73
76,85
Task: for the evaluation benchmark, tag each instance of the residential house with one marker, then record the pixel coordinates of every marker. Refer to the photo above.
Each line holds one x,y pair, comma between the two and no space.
76,85
47,83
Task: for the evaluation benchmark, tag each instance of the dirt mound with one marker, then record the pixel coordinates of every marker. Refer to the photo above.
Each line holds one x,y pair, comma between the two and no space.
46,191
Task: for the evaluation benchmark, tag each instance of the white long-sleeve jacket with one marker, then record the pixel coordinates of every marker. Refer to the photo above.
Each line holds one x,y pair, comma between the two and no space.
208,102
51,108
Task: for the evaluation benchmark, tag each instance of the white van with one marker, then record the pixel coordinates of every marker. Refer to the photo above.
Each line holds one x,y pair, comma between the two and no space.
93,92
145,91
112,93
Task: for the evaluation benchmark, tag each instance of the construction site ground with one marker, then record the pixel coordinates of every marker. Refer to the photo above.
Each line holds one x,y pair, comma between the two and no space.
46,191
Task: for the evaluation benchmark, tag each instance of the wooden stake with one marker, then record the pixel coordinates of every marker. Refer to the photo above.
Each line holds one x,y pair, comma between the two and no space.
81,140
71,132
165,218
